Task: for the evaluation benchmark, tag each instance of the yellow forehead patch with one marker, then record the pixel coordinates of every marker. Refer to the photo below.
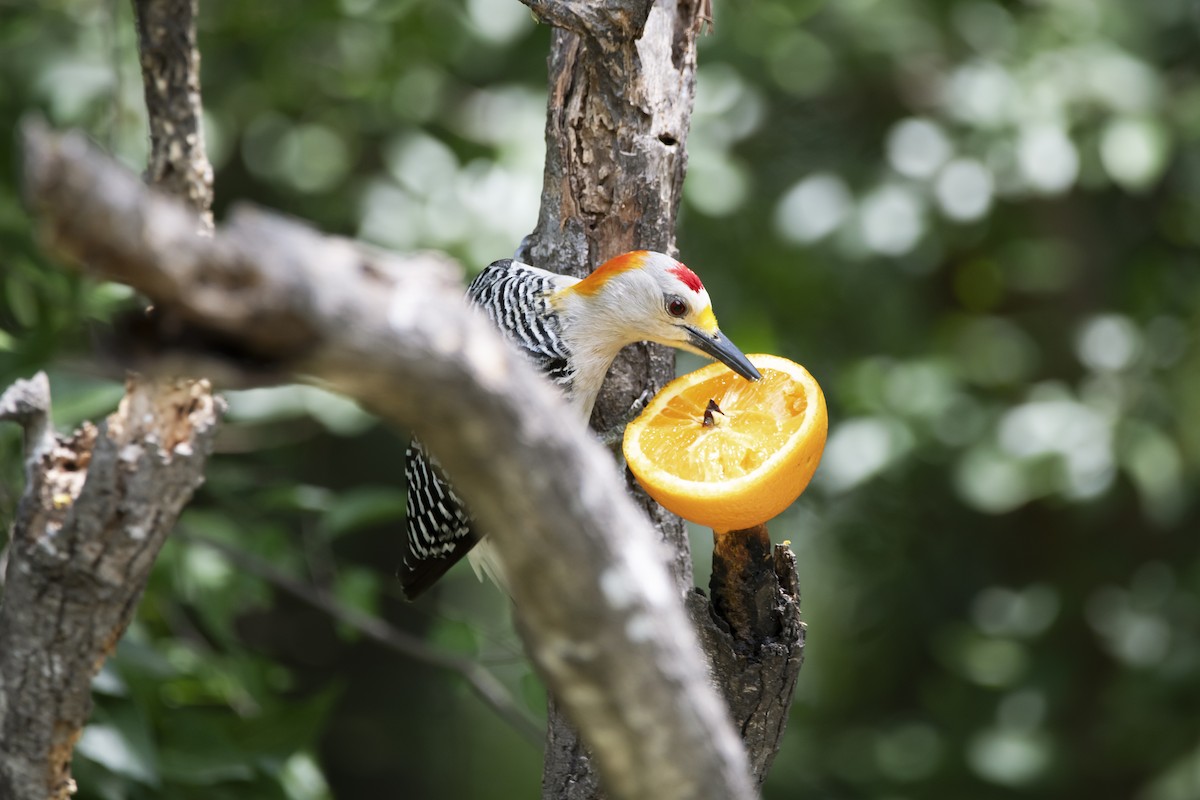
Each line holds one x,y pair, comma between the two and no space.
706,320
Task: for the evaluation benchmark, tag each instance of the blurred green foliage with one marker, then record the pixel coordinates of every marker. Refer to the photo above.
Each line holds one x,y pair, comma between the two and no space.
974,221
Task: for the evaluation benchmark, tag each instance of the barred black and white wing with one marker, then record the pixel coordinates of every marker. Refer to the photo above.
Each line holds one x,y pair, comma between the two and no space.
439,529
516,297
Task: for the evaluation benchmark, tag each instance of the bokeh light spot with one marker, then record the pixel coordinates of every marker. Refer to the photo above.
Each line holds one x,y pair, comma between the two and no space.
986,26
716,184
982,93
801,64
1139,638
917,147
1009,758
1110,343
499,21
891,220
1048,159
859,449
313,158
1021,710
964,190
993,351
813,208
1000,611
908,752
990,481
420,162
1134,152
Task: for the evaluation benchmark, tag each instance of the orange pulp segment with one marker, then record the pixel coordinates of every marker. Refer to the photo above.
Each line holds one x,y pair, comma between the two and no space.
753,460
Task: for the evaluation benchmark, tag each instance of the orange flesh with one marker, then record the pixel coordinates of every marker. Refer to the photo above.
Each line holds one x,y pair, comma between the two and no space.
758,420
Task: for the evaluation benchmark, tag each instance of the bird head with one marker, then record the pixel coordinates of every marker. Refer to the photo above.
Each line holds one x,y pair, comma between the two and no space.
649,296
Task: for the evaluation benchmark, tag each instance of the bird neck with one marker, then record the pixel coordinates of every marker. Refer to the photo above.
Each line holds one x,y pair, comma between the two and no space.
595,334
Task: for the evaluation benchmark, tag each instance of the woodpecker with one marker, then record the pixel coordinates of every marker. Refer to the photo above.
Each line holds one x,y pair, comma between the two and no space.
571,330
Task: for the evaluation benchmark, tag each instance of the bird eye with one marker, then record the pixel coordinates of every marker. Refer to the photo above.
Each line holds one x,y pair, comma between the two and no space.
676,307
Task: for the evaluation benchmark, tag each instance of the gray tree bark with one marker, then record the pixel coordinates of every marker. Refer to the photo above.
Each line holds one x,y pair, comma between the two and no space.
622,79
178,162
753,636
622,84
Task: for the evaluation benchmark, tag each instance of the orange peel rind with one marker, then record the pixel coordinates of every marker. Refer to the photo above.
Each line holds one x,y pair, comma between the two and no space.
737,467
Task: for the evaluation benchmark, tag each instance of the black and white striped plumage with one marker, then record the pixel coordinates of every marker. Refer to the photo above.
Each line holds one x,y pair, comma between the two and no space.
439,529
571,330
516,297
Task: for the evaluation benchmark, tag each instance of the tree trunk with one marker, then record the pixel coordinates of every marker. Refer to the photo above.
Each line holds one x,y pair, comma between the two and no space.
753,636
622,80
178,161
622,85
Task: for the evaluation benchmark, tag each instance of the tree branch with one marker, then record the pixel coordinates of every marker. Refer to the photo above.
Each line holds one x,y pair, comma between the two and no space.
97,507
617,115
94,515
602,621
754,636
178,163
609,23
485,685
27,403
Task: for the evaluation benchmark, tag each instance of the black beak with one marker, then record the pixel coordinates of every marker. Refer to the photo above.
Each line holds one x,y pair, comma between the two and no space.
719,347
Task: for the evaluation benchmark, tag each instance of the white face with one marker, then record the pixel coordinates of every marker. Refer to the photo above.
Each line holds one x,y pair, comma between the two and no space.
640,297
682,307
654,304
637,297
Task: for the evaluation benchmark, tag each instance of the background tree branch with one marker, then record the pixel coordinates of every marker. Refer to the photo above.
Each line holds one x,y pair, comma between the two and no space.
482,682
178,162
602,623
98,507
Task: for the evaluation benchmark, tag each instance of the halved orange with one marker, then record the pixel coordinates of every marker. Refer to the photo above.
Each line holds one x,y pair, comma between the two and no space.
740,464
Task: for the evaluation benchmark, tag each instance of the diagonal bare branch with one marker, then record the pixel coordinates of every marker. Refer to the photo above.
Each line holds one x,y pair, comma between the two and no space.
603,621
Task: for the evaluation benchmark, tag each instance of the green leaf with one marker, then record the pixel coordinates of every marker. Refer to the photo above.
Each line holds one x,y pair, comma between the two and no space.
456,636
108,681
78,398
363,507
359,589
121,742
